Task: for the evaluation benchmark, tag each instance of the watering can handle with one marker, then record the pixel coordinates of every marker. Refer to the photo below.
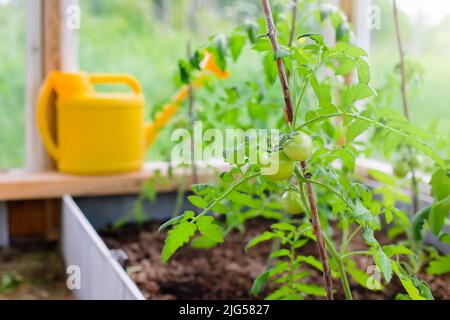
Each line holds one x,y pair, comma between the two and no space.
41,115
117,79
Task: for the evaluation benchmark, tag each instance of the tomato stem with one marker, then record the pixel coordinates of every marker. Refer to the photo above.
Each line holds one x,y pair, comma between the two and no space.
289,113
414,186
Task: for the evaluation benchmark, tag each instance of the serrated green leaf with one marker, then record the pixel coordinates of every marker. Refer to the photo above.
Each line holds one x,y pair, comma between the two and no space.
391,141
209,229
402,216
426,149
392,250
279,293
445,238
361,214
355,129
418,222
363,71
220,208
439,266
345,66
357,92
283,226
261,238
282,52
312,261
244,199
383,262
176,238
382,177
347,157
184,217
369,237
203,242
310,289
322,92
236,43
184,67
440,184
262,44
259,283
388,215
280,253
438,213
407,283
270,69
197,201
317,38
363,278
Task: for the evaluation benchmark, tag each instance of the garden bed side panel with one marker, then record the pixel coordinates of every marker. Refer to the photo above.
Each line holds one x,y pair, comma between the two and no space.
4,226
102,278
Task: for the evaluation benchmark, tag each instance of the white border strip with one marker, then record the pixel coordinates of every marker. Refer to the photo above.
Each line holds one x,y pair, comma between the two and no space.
95,274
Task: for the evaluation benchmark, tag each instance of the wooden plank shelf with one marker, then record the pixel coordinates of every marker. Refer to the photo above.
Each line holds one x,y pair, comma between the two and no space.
51,184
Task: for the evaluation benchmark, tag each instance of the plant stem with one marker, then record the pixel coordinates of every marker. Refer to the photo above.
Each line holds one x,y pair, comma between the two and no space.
349,239
414,186
317,229
402,61
341,269
293,21
272,34
356,253
355,116
192,120
225,194
289,113
323,185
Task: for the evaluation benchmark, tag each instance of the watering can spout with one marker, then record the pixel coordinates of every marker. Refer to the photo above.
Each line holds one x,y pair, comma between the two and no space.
161,119
170,109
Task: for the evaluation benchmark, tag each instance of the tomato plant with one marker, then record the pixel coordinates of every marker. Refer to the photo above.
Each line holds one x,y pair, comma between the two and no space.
304,72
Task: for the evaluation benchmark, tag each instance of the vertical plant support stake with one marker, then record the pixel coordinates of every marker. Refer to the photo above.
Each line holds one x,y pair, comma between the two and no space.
414,186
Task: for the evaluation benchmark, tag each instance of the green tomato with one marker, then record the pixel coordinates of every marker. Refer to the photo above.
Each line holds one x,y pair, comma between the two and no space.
401,169
277,166
292,202
415,161
299,148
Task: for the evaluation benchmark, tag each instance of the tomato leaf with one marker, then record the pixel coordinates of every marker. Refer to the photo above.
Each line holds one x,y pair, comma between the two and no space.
209,229
439,266
261,238
176,238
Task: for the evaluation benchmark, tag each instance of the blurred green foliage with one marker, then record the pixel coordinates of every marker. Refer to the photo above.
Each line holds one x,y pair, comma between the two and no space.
12,81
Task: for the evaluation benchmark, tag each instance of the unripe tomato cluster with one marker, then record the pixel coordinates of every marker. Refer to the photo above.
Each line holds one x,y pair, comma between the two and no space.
403,166
297,148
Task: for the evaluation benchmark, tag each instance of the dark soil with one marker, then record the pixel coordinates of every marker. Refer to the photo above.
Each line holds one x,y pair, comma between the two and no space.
225,272
32,274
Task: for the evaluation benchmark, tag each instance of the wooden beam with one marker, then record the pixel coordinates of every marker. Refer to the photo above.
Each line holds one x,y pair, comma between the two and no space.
51,184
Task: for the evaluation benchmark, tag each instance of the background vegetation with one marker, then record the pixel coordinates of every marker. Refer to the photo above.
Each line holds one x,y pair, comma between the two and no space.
146,39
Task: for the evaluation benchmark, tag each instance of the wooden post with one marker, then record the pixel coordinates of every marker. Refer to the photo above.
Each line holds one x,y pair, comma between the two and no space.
36,157
43,46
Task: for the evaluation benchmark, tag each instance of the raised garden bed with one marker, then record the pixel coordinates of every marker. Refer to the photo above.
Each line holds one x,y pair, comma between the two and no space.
225,272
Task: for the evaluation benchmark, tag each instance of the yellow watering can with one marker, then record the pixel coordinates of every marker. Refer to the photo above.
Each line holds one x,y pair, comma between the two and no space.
103,133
